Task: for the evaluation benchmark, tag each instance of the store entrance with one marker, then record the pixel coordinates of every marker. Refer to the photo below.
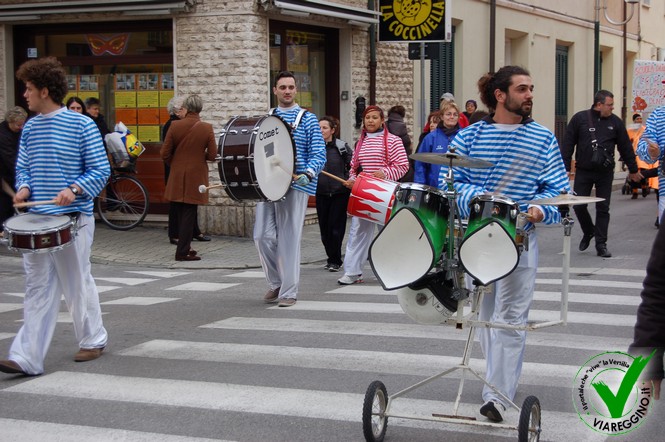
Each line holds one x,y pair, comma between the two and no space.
312,54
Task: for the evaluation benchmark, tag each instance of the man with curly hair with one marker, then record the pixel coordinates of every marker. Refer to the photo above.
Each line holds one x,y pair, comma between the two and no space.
61,158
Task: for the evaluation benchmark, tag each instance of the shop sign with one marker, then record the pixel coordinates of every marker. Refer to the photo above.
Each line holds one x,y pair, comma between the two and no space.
410,21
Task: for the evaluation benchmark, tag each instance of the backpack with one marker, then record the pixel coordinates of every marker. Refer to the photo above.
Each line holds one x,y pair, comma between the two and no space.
345,151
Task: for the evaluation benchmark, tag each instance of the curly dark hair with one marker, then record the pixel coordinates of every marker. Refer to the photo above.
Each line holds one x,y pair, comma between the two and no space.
501,79
47,73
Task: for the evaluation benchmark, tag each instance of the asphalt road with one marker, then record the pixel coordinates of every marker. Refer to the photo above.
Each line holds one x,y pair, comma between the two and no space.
195,354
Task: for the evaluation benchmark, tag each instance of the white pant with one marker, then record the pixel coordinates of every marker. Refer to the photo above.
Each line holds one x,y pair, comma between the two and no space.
360,238
508,302
48,276
277,235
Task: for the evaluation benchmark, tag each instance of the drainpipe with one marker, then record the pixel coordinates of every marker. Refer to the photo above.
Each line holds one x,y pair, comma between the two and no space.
624,42
492,35
372,57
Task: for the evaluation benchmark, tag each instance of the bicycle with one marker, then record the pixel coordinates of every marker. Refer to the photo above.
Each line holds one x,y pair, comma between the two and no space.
123,204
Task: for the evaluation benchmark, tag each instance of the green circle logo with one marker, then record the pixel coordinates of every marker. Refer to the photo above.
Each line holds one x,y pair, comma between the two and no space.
608,395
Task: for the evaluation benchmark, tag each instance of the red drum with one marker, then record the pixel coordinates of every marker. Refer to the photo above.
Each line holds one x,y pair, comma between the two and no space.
372,198
30,232
257,158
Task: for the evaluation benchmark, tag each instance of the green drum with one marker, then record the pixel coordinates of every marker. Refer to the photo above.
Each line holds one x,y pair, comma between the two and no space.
431,206
413,239
489,250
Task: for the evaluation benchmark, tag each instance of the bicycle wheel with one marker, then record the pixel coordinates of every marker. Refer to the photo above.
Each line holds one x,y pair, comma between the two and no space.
123,204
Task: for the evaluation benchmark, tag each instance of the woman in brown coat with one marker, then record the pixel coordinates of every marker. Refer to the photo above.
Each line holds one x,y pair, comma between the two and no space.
188,145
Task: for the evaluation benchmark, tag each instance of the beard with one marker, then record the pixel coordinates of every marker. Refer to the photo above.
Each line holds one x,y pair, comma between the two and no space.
522,109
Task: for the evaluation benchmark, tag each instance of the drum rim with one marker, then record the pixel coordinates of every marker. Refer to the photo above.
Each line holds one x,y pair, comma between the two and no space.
257,193
68,223
494,199
423,187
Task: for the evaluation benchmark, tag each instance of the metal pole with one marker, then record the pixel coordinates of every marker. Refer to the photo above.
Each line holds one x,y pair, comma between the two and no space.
596,49
423,114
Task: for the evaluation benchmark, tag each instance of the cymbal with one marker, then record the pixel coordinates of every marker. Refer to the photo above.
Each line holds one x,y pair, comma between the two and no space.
566,199
449,158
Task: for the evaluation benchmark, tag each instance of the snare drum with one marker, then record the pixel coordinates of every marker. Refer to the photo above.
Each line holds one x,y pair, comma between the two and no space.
257,158
372,198
489,250
30,232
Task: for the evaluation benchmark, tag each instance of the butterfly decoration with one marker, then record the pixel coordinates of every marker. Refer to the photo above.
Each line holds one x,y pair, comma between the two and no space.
115,44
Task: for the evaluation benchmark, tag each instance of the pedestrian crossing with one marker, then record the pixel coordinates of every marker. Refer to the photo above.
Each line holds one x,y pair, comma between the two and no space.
323,352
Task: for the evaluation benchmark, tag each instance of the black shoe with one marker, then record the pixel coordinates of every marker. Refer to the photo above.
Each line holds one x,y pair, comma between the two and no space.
603,252
173,241
202,237
586,240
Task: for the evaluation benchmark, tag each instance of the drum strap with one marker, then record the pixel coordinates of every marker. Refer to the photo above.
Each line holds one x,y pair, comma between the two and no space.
296,123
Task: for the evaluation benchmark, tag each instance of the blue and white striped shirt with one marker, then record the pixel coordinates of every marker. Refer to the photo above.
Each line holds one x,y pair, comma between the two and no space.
57,150
310,147
654,131
527,165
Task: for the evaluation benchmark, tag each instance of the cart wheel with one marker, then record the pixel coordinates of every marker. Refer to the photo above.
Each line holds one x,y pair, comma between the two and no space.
374,408
529,426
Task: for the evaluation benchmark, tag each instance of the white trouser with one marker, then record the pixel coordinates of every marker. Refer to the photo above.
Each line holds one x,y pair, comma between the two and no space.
360,238
508,302
661,196
277,235
48,276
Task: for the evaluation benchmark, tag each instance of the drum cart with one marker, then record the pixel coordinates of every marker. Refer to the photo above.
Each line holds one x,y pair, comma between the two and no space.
378,405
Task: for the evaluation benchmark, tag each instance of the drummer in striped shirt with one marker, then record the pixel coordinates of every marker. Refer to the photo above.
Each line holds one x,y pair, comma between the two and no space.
527,166
61,158
382,155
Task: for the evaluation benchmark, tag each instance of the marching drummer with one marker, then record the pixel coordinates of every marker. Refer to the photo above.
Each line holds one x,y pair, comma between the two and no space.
382,155
278,226
527,166
61,157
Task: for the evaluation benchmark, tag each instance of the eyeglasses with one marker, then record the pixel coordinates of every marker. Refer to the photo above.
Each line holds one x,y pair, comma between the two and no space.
451,114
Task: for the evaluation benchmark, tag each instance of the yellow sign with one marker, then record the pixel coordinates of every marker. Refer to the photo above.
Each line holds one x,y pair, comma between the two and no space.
414,20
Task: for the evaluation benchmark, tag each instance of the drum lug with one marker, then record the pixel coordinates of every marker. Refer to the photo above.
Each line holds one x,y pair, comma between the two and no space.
218,158
233,132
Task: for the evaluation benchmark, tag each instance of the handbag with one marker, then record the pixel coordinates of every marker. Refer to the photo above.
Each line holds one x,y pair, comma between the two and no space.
600,158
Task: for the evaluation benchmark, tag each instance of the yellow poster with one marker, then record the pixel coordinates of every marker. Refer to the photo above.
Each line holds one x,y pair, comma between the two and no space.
164,97
125,99
148,134
147,98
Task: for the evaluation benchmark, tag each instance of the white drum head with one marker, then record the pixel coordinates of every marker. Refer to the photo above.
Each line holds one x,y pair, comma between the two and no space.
36,223
422,306
489,253
402,253
274,157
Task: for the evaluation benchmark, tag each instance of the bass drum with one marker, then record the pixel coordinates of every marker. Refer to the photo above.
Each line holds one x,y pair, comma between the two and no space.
257,158
429,300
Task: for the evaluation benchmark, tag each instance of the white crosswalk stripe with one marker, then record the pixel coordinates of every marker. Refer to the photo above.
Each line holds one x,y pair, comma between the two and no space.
361,311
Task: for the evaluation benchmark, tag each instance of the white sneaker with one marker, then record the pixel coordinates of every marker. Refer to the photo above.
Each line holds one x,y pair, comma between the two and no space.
350,279
493,411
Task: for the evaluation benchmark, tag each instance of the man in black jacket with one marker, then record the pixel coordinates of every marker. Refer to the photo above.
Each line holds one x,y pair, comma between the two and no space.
609,131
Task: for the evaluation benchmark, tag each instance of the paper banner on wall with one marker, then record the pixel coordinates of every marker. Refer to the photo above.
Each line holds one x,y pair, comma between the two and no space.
648,85
149,134
125,99
148,116
127,116
147,99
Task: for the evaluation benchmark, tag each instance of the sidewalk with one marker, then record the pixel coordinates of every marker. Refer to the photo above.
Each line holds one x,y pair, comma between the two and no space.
148,245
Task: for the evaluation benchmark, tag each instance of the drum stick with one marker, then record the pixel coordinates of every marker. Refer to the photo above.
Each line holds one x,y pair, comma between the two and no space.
8,189
33,203
277,162
203,188
334,177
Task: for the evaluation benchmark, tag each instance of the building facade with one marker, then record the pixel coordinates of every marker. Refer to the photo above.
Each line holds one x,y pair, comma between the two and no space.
135,54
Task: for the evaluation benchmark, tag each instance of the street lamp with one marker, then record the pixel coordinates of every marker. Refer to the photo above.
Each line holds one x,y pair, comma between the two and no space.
596,36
